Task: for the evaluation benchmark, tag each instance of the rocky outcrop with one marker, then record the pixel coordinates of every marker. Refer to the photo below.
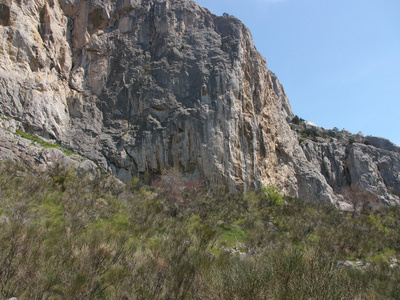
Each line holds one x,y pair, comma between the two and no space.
368,163
143,85
38,155
382,143
369,168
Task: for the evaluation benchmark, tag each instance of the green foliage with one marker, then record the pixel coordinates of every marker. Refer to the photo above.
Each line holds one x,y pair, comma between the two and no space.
135,183
297,121
272,195
43,143
233,236
67,237
309,133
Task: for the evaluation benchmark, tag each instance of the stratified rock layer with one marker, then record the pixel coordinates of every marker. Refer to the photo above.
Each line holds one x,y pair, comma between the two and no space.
143,85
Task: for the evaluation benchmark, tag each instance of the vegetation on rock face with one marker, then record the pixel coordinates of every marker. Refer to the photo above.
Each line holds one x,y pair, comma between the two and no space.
68,237
319,134
43,143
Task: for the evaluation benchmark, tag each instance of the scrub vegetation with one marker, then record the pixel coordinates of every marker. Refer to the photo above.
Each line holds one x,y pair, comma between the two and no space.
64,237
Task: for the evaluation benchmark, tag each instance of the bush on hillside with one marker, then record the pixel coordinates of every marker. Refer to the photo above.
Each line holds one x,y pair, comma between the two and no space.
64,236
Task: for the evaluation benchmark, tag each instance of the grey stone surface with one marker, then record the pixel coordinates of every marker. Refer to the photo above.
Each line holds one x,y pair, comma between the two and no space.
142,85
370,168
16,148
382,143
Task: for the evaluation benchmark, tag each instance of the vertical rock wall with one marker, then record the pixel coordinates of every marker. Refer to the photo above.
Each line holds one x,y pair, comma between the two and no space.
143,85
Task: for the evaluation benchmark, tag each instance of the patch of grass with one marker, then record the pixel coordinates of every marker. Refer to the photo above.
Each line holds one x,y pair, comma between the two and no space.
233,236
43,143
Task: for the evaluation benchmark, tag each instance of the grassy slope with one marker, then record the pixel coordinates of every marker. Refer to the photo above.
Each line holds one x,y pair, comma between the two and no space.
64,237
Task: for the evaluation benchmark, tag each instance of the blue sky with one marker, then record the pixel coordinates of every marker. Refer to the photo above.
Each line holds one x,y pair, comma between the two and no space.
339,61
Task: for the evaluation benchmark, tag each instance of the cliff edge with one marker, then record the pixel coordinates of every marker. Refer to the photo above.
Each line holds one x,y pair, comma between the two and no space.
142,85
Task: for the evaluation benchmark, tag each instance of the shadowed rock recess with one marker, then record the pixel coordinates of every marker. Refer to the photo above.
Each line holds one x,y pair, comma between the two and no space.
143,85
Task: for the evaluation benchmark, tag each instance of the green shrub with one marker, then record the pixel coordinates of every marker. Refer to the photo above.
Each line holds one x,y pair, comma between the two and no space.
313,133
272,195
296,120
64,236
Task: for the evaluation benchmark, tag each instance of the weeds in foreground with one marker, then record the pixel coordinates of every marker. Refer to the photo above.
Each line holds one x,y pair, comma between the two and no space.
67,237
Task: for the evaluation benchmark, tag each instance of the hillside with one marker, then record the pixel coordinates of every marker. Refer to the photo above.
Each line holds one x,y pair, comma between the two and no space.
67,236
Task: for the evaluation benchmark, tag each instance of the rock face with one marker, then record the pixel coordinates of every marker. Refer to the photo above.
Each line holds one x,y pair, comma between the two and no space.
372,169
143,85
15,147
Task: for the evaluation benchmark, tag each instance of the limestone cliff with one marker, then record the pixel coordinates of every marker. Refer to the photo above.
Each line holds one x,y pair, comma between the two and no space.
344,159
143,85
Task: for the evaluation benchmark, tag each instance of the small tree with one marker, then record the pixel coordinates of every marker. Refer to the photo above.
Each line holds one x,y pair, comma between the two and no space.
358,198
171,184
177,191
